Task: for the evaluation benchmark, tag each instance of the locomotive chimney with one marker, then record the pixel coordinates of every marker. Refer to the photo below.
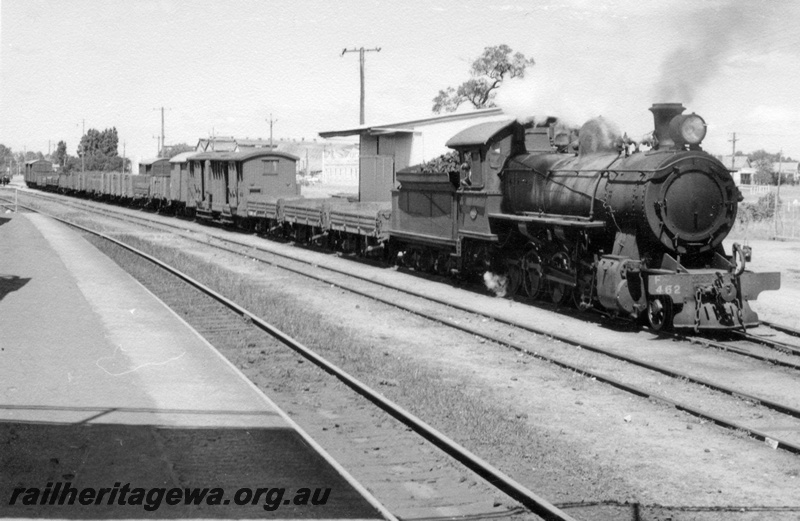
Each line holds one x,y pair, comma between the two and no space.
663,114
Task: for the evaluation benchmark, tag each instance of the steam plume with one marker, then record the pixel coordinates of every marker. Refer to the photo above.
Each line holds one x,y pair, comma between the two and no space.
709,39
498,284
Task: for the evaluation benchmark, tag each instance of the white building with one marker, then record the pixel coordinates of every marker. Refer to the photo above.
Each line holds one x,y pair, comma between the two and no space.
741,170
340,166
385,149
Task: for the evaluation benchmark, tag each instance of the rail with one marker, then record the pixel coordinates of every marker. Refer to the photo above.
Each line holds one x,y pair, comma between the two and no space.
498,479
569,339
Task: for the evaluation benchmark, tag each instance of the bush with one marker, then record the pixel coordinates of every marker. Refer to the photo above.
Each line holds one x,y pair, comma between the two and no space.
761,210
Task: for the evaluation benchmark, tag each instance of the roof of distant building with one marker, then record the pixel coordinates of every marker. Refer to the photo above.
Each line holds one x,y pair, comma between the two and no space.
739,162
182,157
152,160
786,166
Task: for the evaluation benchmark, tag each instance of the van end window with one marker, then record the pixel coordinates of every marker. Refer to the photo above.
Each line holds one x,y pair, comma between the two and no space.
270,166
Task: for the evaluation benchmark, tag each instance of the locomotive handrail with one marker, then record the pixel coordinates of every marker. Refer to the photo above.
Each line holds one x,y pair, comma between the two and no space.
557,219
597,185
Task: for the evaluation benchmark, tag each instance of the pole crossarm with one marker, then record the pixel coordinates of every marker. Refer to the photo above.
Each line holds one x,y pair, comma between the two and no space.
361,51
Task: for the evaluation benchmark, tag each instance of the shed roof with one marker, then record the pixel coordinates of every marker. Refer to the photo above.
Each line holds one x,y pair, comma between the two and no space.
182,157
253,142
479,134
152,160
410,125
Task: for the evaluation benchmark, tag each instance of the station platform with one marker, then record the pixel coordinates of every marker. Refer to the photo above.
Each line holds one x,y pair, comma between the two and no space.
106,392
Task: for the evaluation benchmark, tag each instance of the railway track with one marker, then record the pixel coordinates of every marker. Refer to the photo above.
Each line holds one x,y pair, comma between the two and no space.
214,324
781,346
785,329
236,246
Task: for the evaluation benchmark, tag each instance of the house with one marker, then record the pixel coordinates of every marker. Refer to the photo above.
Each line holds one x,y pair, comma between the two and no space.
384,149
340,165
216,144
742,171
789,171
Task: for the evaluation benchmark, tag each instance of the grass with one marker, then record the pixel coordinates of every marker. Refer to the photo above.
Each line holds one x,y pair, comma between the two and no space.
757,220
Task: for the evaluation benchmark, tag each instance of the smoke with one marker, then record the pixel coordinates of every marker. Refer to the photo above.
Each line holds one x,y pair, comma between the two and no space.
710,39
539,95
598,135
497,284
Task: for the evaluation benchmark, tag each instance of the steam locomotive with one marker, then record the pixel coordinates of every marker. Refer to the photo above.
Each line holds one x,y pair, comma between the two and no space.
634,233
582,217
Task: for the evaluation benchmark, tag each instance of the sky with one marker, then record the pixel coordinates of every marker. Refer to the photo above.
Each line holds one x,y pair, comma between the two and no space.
228,66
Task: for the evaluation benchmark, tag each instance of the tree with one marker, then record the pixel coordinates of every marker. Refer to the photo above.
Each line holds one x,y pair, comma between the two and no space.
762,154
174,150
763,174
488,72
764,161
99,150
6,159
61,153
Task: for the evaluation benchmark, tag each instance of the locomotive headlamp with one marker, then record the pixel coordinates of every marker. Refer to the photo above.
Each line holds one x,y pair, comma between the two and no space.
689,129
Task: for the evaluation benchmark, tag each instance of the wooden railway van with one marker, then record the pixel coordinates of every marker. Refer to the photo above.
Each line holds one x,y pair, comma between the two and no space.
267,176
196,187
155,166
206,187
179,181
34,167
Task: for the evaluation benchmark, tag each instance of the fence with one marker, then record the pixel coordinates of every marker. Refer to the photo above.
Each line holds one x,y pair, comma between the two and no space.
755,189
787,224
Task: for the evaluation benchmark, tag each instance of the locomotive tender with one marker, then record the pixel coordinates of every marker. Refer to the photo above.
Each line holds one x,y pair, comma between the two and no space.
637,234
585,221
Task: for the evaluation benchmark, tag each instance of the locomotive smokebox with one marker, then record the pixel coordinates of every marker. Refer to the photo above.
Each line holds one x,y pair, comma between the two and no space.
663,113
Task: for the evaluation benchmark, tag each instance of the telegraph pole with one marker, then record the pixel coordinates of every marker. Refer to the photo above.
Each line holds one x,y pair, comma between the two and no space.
162,131
83,156
733,153
778,191
271,122
361,52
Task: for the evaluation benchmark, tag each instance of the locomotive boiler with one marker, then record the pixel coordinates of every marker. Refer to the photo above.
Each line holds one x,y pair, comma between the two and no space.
594,221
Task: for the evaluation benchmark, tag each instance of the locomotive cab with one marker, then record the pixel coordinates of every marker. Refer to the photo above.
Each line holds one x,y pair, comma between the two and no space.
440,216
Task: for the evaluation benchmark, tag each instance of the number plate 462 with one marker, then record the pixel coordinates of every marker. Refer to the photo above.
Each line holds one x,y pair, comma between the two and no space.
668,289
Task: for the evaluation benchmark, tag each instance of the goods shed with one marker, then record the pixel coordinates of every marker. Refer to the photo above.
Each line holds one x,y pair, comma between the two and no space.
385,149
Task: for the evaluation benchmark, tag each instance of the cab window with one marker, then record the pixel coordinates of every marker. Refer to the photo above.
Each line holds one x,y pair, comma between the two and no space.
476,168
